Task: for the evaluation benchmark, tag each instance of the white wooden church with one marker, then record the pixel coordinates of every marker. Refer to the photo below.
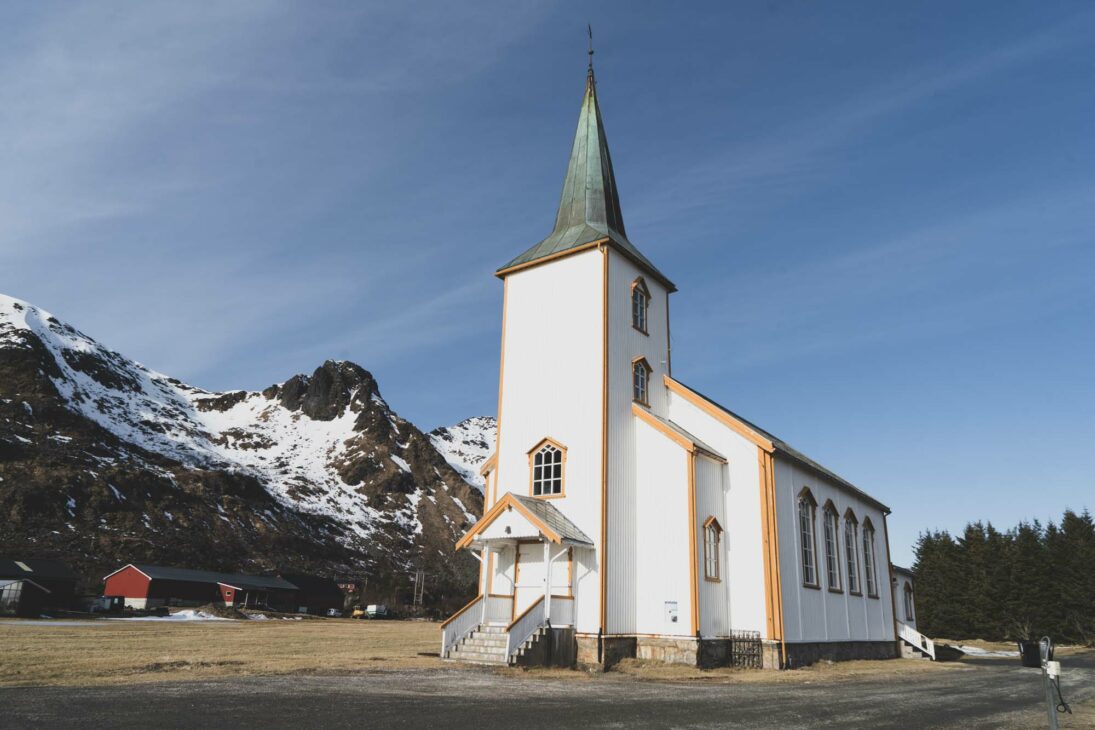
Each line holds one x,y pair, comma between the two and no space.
627,514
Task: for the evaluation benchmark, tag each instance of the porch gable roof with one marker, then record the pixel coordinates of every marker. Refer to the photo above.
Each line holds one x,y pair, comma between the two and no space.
544,516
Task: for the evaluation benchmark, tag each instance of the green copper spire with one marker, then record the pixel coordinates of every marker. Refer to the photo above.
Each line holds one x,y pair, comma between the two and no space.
589,208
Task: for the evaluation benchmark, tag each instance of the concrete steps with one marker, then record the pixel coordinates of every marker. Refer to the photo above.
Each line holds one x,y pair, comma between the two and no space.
487,645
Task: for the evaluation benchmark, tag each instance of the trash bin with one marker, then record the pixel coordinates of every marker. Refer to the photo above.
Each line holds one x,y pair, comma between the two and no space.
1030,653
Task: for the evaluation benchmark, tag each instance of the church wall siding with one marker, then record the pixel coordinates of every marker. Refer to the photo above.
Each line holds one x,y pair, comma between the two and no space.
661,548
711,502
817,614
742,537
551,387
625,343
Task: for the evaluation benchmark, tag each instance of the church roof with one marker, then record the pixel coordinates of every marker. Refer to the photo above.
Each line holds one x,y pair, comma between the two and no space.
589,207
553,518
780,446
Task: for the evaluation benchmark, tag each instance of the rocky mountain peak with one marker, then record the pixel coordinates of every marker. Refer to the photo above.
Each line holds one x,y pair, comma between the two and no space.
326,393
104,462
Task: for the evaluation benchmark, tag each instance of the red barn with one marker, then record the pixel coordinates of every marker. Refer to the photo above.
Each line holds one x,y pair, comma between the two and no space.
146,586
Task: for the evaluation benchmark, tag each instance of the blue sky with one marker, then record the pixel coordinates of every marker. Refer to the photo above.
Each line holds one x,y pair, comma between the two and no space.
884,212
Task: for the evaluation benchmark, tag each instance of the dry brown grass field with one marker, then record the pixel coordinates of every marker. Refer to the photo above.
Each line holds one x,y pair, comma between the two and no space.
121,652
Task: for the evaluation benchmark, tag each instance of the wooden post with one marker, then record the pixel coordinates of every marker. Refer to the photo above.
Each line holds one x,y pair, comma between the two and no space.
547,580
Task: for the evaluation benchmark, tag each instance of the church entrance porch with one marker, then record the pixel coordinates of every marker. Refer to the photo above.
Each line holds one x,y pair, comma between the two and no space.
525,608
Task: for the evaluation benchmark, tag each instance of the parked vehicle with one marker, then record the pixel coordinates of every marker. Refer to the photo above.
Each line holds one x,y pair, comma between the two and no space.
334,613
373,610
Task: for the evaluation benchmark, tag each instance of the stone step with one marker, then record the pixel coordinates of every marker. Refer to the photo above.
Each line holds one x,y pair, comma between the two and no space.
485,645
491,629
479,656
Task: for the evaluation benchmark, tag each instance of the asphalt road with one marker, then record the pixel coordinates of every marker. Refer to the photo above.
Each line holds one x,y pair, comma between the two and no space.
992,693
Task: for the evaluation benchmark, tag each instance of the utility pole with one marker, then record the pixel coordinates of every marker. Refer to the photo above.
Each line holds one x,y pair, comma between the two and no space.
419,586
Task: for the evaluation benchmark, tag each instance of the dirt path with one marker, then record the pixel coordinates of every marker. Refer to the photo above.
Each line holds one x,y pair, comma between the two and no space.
989,693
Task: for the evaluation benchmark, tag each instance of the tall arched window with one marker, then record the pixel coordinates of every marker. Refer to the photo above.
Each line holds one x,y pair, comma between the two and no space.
909,615
868,558
640,381
832,551
712,546
851,552
547,461
640,303
807,506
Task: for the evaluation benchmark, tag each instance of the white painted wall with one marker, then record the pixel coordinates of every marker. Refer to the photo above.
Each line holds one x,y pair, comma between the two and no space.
551,387
626,481
816,614
662,522
711,477
901,579
742,539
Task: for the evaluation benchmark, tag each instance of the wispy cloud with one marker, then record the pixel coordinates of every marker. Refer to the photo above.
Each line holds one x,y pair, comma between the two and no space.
789,158
972,271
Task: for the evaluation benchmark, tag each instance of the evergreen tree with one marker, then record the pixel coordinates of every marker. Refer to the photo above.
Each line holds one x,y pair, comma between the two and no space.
1027,582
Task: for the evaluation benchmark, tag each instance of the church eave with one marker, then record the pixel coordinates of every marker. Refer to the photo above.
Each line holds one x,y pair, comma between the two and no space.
647,268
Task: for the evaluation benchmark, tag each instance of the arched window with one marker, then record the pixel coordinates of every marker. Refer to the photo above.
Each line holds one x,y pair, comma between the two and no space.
712,546
547,460
832,551
640,303
851,552
640,381
868,558
909,615
807,506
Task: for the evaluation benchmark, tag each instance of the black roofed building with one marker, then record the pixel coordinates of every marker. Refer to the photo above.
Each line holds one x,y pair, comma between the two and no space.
316,595
147,586
56,578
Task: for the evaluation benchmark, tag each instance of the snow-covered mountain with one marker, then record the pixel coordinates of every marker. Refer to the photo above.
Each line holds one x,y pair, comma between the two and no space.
466,446
106,458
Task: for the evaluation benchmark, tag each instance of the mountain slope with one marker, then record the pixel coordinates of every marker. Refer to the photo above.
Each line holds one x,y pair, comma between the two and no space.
466,446
104,462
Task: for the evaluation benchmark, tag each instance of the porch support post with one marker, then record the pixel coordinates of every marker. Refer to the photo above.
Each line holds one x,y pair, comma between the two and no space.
547,580
486,582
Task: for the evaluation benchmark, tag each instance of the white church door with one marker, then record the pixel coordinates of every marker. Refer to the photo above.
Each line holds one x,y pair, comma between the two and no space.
531,575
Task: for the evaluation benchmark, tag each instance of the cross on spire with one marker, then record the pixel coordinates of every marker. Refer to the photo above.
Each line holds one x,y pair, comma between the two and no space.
590,29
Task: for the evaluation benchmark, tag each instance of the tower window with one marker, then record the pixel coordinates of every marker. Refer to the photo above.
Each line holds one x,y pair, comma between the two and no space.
640,381
640,303
547,461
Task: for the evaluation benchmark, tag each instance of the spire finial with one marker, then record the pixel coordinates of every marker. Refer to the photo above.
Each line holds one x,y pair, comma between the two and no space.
589,28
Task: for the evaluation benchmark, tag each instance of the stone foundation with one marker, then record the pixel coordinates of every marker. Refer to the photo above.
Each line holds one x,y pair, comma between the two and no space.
670,650
806,653
707,653
613,649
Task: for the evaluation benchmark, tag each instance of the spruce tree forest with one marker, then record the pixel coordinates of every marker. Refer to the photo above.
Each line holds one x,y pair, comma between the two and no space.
1028,582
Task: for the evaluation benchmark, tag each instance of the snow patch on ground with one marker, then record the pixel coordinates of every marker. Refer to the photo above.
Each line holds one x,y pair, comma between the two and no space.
978,651
187,615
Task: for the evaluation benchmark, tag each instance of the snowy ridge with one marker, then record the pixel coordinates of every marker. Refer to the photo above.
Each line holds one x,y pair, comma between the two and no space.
299,438
466,446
